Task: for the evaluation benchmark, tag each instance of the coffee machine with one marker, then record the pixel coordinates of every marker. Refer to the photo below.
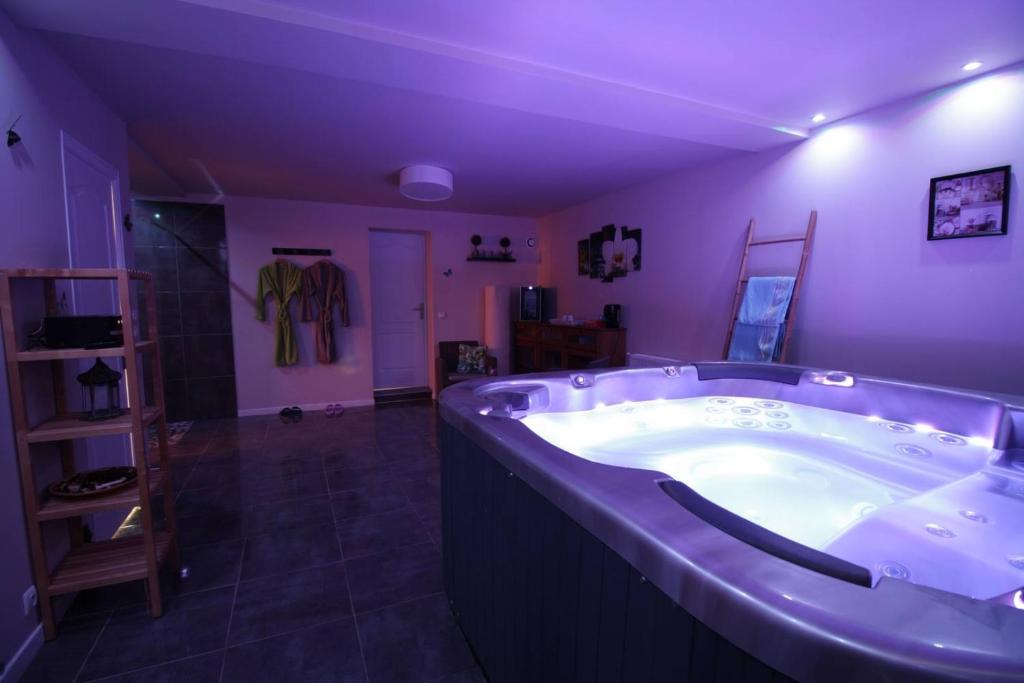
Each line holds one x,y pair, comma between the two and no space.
612,316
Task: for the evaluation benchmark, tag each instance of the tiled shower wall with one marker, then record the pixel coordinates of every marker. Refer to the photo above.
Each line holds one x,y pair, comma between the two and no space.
184,246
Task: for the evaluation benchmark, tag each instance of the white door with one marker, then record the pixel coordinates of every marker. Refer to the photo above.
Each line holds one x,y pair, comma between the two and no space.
92,203
398,294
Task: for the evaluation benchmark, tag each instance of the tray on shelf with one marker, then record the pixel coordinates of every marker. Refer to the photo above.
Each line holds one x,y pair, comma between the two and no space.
93,483
54,507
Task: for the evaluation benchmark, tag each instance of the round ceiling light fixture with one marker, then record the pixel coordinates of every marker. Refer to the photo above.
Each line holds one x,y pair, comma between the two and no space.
425,183
972,66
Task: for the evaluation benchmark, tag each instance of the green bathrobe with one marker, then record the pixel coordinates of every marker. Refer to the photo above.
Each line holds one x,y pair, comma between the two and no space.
283,281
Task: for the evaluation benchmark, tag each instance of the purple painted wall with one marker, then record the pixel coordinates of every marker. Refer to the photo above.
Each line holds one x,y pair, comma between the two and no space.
38,85
878,298
257,225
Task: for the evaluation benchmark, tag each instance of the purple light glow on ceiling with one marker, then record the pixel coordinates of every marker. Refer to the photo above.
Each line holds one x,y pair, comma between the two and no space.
525,102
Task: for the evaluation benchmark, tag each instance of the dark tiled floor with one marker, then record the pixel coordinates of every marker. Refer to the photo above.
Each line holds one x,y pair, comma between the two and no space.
314,555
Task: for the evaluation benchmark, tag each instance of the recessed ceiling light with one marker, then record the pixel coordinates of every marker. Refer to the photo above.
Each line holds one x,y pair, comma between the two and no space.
971,66
818,118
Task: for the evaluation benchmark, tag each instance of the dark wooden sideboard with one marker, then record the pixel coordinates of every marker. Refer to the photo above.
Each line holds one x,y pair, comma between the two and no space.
540,347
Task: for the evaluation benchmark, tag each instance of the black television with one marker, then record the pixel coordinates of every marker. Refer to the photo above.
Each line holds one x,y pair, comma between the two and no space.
536,303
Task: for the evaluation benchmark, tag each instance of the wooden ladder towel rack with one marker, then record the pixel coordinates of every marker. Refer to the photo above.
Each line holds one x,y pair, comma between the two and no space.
741,282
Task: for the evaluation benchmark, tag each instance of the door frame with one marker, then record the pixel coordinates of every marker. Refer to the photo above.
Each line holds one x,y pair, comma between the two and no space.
97,454
428,299
69,145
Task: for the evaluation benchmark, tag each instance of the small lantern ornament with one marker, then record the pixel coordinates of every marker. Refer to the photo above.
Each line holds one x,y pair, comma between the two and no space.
93,382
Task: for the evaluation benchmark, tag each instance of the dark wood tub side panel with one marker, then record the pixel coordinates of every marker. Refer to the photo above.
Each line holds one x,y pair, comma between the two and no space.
541,599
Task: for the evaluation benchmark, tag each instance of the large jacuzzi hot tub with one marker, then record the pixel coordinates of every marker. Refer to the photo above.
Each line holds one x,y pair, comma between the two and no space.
730,521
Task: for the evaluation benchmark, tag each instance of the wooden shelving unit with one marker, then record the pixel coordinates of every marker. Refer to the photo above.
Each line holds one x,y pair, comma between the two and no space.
101,563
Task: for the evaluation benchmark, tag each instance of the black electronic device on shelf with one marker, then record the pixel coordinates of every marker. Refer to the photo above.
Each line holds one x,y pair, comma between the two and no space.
612,316
82,331
536,303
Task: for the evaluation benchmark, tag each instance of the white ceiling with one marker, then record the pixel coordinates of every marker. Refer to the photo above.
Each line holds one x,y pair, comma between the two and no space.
534,105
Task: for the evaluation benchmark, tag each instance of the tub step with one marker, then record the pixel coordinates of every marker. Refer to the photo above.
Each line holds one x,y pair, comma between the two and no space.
383,397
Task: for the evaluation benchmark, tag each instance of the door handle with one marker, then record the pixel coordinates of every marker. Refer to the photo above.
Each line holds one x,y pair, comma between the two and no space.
420,309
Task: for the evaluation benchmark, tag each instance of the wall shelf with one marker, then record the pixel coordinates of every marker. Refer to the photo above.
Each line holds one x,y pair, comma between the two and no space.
105,562
491,259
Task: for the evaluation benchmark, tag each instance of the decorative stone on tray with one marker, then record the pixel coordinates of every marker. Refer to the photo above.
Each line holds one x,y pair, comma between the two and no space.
94,482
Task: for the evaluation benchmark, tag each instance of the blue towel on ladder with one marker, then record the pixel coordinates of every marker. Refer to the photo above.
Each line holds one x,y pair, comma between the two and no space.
760,324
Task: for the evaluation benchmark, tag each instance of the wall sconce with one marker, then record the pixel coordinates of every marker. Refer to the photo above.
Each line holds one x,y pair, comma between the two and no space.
12,137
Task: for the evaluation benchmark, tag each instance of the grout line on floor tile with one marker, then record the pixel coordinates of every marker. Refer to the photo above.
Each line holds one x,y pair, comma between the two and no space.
419,517
292,571
307,627
399,603
348,589
444,677
429,539
153,666
223,661
95,642
231,615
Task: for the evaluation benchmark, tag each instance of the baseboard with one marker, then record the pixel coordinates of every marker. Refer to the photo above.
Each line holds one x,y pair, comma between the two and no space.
306,407
23,657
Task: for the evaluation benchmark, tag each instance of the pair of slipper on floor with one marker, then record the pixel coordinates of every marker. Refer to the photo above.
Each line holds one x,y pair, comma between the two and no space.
293,414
